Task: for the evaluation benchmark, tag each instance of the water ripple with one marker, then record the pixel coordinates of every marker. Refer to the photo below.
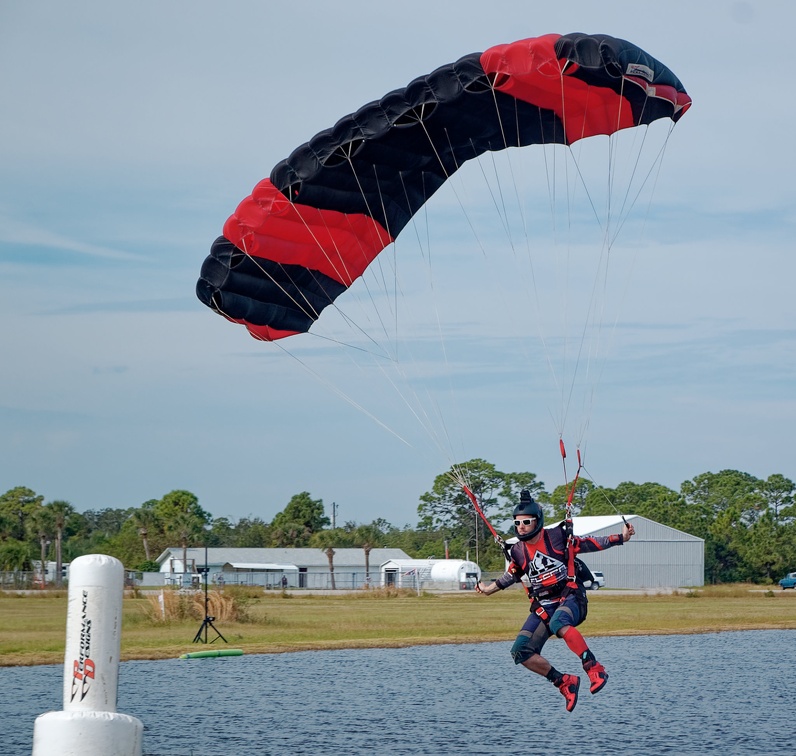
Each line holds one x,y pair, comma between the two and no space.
731,693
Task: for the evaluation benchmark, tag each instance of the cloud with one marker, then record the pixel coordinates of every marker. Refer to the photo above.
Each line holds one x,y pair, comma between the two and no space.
135,131
21,237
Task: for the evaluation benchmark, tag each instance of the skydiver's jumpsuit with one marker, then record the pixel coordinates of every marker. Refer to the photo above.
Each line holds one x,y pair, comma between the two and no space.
545,564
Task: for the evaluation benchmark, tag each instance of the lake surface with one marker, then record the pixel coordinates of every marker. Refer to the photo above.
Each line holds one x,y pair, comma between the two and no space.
733,693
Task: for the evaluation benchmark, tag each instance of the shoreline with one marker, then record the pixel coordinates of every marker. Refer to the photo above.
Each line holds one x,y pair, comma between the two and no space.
34,628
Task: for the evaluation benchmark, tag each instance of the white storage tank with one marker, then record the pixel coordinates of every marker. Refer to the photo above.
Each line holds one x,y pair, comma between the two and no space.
465,574
441,574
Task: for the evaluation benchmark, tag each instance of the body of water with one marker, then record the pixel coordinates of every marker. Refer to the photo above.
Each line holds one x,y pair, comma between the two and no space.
729,693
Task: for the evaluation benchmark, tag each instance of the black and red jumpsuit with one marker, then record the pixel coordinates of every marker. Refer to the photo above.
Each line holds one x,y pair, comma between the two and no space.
545,565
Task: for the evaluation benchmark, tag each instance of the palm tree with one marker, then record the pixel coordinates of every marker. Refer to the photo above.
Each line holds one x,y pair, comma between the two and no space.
329,551
325,540
42,526
144,519
367,536
60,511
186,526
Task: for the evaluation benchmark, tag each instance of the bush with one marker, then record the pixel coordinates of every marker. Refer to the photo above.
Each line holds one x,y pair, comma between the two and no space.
175,606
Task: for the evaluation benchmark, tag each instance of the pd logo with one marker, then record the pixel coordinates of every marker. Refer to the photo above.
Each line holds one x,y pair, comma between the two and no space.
83,668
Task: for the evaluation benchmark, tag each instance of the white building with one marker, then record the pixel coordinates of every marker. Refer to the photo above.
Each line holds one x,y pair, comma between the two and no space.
275,568
657,556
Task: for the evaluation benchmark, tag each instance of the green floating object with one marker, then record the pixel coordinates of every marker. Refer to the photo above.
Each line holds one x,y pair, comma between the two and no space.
214,652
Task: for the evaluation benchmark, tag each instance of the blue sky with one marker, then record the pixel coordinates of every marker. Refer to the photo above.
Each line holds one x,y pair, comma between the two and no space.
129,134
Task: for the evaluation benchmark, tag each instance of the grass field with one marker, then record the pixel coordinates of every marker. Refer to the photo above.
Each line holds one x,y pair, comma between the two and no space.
32,630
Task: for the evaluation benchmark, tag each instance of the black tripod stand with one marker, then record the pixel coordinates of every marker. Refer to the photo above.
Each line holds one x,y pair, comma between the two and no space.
208,621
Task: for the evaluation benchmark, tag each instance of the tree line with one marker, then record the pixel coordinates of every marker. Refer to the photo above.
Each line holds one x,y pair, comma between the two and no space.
748,524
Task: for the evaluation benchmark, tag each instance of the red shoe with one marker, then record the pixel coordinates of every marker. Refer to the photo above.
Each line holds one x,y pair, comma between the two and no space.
597,675
568,685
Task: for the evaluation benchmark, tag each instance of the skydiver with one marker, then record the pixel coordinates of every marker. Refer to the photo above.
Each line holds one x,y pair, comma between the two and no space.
556,607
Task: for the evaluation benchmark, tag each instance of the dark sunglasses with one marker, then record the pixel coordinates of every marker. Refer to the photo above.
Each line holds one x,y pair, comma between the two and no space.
517,523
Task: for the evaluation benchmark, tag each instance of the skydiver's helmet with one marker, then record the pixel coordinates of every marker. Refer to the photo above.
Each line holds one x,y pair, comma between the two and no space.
529,508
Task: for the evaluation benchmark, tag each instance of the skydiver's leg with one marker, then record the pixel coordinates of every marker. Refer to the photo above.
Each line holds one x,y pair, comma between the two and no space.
529,643
526,651
562,623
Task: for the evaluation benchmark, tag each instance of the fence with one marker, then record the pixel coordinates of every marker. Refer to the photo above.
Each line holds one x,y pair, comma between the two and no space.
291,580
32,581
23,581
317,581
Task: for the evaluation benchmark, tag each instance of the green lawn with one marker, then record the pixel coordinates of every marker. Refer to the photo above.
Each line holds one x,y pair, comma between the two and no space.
33,628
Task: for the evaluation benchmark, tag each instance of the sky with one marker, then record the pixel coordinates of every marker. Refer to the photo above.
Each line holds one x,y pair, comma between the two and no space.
129,133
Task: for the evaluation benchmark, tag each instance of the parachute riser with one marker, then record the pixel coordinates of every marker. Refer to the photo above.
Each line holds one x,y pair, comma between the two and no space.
568,525
498,539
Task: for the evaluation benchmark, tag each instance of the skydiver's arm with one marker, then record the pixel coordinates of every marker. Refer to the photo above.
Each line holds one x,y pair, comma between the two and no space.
513,575
487,590
588,544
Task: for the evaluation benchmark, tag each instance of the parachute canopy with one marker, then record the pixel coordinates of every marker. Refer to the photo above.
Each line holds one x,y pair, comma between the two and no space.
305,234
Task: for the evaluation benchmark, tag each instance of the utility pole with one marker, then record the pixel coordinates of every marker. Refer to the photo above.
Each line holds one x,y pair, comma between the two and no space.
334,515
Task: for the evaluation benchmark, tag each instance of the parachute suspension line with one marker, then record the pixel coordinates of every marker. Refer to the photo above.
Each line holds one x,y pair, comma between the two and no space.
614,222
448,372
455,193
417,410
605,496
303,305
653,171
617,223
396,286
419,407
537,319
595,317
500,206
434,427
590,347
346,275
566,304
350,321
551,194
584,185
599,294
498,200
565,396
624,210
596,304
442,343
480,245
378,260
379,363
343,275
504,140
342,394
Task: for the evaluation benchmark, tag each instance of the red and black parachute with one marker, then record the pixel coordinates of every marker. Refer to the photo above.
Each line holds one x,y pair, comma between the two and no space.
310,230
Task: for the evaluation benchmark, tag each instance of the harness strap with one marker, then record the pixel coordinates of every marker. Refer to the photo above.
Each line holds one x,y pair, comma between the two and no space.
539,610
